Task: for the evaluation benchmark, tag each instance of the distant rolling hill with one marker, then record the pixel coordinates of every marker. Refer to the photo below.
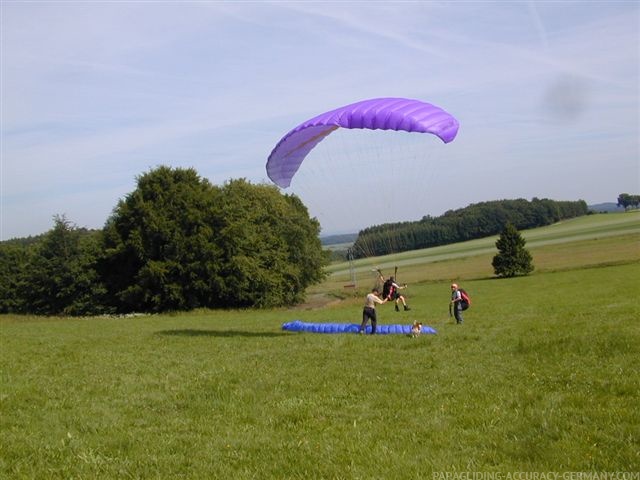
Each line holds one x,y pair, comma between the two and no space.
349,238
606,207
338,239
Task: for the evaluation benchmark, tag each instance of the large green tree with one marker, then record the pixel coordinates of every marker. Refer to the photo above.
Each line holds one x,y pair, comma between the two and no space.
159,249
178,242
512,258
625,200
271,248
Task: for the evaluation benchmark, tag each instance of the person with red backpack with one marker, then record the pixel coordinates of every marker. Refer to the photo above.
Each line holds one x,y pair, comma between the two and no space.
460,301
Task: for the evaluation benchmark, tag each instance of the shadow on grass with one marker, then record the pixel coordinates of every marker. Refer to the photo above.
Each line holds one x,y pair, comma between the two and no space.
191,332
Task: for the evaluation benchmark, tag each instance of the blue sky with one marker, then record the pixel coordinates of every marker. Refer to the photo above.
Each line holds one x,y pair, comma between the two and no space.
96,93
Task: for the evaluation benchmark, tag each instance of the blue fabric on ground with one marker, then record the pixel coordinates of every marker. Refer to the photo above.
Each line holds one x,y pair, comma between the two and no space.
300,326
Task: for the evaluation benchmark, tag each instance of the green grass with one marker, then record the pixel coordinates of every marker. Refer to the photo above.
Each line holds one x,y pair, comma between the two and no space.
543,376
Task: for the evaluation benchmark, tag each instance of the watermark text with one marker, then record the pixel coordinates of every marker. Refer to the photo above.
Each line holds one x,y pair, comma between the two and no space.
536,476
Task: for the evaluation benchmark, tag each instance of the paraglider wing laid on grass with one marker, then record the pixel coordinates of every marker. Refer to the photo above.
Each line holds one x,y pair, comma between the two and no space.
374,114
300,326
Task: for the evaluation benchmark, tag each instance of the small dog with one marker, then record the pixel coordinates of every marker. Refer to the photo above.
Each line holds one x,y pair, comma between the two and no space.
416,329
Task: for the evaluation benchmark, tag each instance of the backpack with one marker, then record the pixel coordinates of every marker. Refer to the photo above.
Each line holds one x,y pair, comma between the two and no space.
466,299
387,288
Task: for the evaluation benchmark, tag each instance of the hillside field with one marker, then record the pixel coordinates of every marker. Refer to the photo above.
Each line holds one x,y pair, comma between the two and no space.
542,376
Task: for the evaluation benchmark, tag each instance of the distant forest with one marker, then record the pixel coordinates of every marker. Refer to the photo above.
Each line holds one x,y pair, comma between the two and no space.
338,239
474,221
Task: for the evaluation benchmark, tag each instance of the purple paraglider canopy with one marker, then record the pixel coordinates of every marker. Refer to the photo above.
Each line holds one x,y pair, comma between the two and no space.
375,114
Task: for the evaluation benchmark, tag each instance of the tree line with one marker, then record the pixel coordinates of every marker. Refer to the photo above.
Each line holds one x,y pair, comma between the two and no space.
474,221
175,243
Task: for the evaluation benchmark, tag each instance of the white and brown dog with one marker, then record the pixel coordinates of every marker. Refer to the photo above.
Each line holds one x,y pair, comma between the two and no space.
416,329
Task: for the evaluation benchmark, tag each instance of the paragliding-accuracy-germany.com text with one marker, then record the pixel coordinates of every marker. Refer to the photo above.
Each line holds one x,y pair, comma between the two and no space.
536,476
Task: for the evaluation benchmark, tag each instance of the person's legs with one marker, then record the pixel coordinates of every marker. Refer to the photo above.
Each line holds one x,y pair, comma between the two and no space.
374,321
457,310
366,315
404,303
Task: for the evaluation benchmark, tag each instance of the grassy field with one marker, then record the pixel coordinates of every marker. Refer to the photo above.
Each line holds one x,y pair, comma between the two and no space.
543,376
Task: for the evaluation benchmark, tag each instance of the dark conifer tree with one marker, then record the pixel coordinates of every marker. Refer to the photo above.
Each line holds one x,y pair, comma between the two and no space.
512,258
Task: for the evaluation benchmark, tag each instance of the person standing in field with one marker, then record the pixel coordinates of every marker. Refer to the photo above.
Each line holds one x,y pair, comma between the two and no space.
458,303
369,310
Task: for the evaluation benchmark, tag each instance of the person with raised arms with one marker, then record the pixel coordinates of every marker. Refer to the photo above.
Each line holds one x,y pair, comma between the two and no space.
369,310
